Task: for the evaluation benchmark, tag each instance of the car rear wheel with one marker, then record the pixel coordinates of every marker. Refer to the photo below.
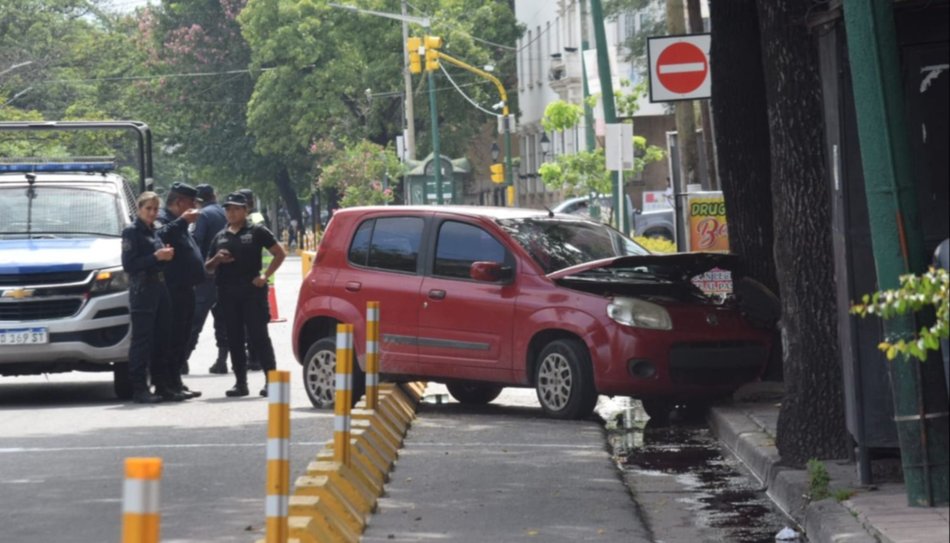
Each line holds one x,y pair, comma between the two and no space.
319,374
472,393
564,380
121,381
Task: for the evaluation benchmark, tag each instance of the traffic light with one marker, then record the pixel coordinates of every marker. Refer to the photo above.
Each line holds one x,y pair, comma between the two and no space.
432,45
415,61
498,173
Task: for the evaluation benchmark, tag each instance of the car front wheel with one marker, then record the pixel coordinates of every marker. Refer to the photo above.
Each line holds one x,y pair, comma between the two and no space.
319,374
564,380
472,393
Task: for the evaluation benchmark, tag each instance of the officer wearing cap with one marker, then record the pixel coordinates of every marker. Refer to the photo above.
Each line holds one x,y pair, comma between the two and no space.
256,217
181,275
211,220
242,287
144,257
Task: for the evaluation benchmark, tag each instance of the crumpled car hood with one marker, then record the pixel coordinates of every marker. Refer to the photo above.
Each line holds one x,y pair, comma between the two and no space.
675,267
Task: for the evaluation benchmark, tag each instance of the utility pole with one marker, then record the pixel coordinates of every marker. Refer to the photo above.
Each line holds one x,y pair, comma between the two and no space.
407,79
588,112
685,133
694,11
607,99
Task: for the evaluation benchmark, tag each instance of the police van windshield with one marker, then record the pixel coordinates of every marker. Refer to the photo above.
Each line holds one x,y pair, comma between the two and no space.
58,212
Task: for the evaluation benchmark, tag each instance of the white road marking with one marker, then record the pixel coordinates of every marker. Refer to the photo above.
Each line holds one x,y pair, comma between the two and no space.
12,450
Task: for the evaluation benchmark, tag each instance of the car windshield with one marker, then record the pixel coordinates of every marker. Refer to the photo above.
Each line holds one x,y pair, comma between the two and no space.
556,243
58,212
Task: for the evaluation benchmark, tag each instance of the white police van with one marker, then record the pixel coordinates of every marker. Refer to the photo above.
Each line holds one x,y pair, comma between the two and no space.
63,295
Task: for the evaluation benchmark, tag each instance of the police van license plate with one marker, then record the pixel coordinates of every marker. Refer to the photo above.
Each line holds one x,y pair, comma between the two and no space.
23,336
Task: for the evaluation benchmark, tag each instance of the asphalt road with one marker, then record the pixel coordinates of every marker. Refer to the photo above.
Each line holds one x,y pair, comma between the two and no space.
64,438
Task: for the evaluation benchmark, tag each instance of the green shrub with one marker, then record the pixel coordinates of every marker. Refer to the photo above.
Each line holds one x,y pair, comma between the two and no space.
818,480
916,293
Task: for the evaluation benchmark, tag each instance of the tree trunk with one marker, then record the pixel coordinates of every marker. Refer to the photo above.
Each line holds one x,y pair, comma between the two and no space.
286,190
742,142
811,421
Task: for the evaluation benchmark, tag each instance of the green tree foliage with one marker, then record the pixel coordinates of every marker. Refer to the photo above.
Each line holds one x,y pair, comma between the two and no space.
917,293
318,62
358,172
585,172
66,60
198,99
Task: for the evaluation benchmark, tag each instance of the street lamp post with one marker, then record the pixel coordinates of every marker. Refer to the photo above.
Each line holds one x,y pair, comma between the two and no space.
545,145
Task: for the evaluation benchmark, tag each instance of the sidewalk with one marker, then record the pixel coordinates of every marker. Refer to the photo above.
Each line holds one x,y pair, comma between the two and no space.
881,513
462,477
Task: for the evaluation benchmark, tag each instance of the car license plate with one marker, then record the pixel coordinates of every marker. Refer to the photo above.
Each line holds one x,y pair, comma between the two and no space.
23,336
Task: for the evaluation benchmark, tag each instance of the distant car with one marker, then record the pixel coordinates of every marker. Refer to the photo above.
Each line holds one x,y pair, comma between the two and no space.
658,223
482,298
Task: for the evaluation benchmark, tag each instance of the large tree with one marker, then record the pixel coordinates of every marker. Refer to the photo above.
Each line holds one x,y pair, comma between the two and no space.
332,73
794,185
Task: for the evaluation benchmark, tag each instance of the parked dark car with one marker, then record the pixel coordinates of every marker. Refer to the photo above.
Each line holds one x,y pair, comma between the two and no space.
481,298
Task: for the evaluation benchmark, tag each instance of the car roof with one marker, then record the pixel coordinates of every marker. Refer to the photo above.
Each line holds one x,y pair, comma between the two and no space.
488,212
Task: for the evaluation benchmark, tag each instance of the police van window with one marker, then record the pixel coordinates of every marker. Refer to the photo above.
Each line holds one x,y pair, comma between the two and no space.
459,245
389,243
59,212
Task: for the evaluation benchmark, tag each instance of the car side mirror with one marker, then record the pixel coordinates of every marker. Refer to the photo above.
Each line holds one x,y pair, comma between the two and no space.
490,272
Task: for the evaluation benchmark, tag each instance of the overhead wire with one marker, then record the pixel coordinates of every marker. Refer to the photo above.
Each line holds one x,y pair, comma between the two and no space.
452,81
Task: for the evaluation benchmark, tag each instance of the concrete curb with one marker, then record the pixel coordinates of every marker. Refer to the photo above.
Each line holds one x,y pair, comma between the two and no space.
826,521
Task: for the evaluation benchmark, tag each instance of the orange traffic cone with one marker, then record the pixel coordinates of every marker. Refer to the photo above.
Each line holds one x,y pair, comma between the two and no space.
272,304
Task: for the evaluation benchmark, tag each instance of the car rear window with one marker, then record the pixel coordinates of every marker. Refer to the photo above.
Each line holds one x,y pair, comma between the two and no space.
388,243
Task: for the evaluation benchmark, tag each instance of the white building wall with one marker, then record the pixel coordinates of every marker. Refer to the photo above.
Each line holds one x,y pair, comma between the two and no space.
550,68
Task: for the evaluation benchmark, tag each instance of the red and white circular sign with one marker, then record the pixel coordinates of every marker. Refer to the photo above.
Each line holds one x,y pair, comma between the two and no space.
679,68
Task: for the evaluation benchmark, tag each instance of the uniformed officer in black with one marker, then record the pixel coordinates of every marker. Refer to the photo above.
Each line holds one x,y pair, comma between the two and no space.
143,258
181,275
242,288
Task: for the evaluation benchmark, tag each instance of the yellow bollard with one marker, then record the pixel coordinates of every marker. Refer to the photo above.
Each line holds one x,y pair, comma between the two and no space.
277,485
140,516
344,393
372,355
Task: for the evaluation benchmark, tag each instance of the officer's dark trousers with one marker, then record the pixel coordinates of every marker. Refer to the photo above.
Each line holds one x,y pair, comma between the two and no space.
206,295
245,307
150,306
183,311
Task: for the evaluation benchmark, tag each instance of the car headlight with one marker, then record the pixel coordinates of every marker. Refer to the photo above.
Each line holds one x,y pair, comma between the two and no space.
110,280
639,314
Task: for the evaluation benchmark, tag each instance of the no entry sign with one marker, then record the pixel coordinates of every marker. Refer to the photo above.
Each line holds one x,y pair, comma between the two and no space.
679,67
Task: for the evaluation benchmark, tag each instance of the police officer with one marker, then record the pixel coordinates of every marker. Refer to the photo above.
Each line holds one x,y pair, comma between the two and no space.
143,258
181,275
242,287
211,220
255,217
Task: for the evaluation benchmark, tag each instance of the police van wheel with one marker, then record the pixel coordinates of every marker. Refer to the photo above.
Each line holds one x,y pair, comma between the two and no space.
121,382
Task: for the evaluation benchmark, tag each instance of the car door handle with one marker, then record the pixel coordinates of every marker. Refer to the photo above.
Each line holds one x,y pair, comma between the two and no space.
353,286
437,294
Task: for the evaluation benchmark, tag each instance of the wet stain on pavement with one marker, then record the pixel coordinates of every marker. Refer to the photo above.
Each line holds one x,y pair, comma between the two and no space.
720,497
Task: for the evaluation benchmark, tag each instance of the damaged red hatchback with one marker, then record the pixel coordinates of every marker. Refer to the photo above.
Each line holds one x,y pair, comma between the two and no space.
481,298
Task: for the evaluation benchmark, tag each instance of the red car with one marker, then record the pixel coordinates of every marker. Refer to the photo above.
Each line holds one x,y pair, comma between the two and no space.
481,298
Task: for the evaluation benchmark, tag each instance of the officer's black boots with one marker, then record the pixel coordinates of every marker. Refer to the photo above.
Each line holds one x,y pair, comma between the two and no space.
220,365
145,396
237,391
